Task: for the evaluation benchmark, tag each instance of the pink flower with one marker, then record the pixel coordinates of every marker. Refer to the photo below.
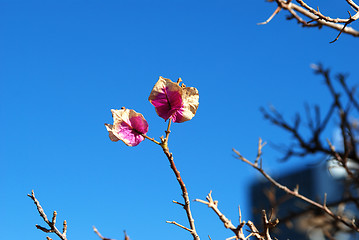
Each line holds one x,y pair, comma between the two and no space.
128,126
173,101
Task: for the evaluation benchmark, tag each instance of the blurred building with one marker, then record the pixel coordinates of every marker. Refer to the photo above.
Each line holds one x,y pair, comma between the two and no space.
313,183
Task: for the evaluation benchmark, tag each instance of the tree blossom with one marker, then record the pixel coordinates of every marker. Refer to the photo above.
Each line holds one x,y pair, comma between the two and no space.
128,126
173,101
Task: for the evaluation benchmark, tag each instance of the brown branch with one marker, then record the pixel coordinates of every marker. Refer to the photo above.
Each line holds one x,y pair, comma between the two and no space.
295,192
186,205
315,15
181,204
238,231
51,223
323,17
345,25
184,192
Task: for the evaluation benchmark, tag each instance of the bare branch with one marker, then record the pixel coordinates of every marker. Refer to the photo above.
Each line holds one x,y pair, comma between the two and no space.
296,193
181,204
353,5
51,224
179,225
238,231
186,205
184,192
323,17
316,16
99,234
277,10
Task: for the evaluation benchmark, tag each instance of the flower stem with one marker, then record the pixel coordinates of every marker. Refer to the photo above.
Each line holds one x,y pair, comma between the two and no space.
168,130
151,139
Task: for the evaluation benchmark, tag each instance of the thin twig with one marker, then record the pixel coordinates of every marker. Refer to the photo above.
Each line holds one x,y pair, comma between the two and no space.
179,225
181,204
99,234
276,11
342,162
151,139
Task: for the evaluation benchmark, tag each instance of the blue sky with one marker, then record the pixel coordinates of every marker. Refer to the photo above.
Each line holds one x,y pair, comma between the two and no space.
65,64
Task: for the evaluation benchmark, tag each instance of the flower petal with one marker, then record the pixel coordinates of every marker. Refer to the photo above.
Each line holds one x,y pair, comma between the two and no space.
173,101
111,135
128,126
166,98
190,99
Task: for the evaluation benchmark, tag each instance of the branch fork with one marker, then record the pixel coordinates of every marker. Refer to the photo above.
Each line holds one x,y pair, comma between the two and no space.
51,224
238,231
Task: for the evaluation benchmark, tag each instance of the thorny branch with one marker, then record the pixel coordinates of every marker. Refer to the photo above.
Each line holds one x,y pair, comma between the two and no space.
51,223
317,19
258,166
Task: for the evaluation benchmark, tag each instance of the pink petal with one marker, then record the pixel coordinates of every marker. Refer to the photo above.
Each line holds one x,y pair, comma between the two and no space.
166,98
128,127
173,101
167,103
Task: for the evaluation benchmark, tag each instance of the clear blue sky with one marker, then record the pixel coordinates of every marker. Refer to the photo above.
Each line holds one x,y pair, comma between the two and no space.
65,64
